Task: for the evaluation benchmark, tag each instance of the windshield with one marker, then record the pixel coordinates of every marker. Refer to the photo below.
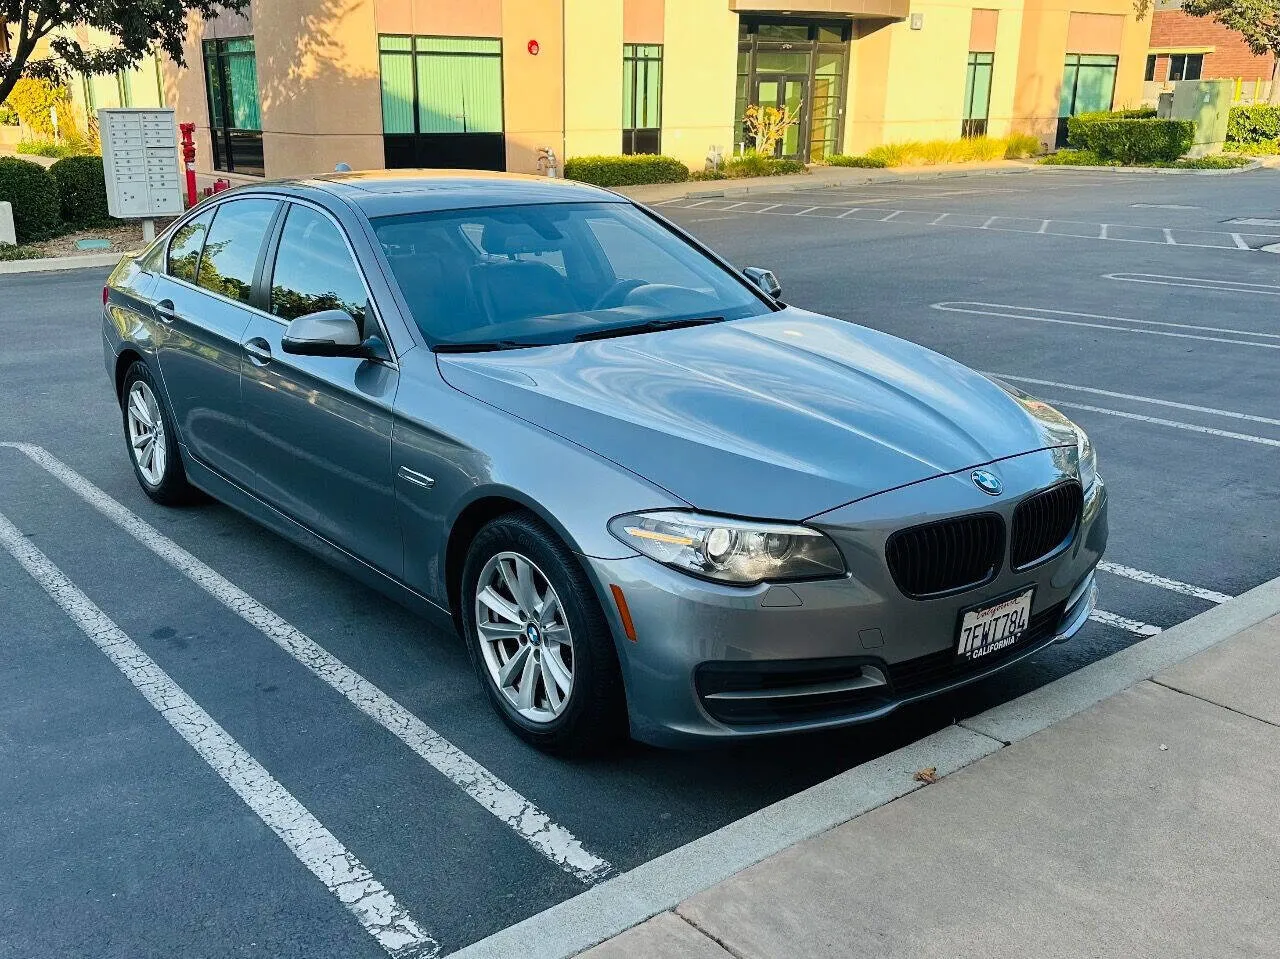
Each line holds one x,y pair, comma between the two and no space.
504,277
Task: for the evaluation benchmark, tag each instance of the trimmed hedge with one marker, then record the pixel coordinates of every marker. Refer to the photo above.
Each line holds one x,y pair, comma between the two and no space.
1259,123
1134,142
1077,124
82,186
33,191
626,170
865,162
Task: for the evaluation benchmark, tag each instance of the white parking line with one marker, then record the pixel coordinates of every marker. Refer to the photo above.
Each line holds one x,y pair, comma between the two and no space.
528,821
1010,312
315,847
1193,427
1173,585
1142,399
1122,622
1196,282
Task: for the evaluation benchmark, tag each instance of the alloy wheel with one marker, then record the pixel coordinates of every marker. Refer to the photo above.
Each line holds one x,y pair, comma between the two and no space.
146,433
524,637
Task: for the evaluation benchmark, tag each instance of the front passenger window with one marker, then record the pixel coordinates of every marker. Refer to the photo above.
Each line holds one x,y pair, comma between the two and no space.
314,270
231,252
184,247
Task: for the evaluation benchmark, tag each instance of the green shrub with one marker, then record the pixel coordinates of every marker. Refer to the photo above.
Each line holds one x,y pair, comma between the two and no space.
50,148
626,170
1259,123
1135,142
1080,123
868,162
10,252
82,187
1217,161
1020,146
33,100
33,191
1263,149
754,164
1076,158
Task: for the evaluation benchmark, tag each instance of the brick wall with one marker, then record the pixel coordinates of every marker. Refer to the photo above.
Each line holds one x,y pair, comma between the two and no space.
1231,56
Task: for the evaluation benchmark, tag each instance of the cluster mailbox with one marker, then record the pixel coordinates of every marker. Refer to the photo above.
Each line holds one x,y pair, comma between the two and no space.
140,159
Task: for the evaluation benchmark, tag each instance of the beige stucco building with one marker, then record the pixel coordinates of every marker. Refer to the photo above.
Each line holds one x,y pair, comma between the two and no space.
297,86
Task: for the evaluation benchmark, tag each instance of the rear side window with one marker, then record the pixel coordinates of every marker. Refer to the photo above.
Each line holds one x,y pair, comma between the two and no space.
184,248
231,251
314,270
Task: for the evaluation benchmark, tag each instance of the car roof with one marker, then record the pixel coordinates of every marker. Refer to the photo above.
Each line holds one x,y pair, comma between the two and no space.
393,192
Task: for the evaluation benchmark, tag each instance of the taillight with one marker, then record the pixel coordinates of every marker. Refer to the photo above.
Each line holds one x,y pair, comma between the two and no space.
106,292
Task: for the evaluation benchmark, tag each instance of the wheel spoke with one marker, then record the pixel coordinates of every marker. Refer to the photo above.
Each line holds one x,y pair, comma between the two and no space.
552,684
526,594
555,635
495,632
512,666
500,606
549,611
528,683
141,440
138,407
147,456
554,666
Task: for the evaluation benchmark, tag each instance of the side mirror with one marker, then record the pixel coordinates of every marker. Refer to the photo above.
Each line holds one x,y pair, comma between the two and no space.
327,333
764,280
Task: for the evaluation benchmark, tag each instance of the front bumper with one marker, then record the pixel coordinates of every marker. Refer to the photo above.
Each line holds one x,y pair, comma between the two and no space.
717,662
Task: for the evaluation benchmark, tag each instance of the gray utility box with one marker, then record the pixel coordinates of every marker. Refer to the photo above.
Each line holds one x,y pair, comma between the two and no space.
1207,103
140,160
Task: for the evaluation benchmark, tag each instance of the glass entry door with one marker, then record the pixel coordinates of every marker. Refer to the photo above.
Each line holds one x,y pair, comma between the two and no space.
787,91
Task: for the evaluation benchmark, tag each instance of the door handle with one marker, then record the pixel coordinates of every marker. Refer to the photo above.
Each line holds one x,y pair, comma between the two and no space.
259,350
165,310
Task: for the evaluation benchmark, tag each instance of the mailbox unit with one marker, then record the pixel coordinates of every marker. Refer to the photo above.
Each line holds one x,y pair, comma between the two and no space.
140,159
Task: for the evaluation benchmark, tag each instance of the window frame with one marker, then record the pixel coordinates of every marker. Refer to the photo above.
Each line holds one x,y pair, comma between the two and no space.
970,124
1186,60
1149,70
413,53
632,63
271,252
221,128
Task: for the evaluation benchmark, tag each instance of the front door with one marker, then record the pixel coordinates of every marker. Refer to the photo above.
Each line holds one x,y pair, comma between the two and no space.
320,426
790,92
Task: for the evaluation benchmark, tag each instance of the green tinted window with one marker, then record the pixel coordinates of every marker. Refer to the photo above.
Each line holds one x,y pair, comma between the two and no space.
641,86
441,84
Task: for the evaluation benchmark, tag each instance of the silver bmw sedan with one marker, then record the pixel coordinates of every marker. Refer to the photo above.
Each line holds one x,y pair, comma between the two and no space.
652,497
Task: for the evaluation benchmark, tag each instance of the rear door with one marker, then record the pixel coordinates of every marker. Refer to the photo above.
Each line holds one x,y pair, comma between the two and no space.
204,299
319,427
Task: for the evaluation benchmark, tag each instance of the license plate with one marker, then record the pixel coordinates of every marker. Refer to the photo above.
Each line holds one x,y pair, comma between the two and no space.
987,629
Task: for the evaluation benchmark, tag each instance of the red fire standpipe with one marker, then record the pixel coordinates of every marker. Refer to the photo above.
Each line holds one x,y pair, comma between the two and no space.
189,159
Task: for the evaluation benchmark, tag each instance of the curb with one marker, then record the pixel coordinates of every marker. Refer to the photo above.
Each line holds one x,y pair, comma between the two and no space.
626,900
58,264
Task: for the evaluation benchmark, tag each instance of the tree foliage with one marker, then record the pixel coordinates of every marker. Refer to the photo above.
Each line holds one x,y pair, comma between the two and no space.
136,27
1258,21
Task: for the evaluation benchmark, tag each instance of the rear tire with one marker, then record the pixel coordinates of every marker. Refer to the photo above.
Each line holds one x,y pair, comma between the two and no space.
539,640
152,441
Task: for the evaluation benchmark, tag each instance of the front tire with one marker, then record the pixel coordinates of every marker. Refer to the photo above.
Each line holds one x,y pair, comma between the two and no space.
152,440
539,639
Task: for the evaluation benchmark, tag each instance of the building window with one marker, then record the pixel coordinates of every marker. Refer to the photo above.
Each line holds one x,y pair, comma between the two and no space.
977,94
442,101
1186,66
141,86
1150,73
231,76
641,98
1088,86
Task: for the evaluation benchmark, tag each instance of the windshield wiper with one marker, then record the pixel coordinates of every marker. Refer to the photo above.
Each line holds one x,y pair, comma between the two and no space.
653,326
483,347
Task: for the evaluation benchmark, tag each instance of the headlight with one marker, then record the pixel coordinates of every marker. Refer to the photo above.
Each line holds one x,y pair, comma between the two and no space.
1088,458
731,551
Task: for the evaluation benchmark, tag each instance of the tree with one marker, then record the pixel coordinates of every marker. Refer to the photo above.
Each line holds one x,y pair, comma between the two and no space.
768,125
1258,21
137,27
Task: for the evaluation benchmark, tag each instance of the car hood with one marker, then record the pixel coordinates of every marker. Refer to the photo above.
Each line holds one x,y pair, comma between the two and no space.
782,416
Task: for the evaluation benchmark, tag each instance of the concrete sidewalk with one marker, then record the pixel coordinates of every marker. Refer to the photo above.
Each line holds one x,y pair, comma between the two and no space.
1145,825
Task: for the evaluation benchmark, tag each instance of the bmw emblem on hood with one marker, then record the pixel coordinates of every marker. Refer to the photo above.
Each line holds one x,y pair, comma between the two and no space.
987,481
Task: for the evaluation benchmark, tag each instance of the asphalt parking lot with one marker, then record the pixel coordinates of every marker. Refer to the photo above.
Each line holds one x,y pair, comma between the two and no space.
1141,304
